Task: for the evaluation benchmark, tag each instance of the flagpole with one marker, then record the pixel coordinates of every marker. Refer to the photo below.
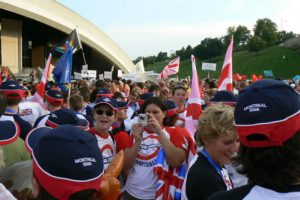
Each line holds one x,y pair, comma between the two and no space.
83,56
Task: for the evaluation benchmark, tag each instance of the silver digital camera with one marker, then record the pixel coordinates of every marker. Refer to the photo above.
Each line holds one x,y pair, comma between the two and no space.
143,119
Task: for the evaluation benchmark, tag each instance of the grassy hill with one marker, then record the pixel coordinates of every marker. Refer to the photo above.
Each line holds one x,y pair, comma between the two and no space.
245,62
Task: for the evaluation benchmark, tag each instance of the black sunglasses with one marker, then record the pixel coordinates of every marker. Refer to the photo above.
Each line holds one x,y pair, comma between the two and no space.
108,113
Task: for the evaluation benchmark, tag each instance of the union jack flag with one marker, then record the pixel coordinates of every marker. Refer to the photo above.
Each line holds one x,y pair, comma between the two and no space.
171,69
170,180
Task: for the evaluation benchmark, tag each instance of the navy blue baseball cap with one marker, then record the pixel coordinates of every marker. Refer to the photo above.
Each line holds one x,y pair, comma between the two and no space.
224,97
172,108
267,114
104,92
54,97
144,97
10,88
122,104
67,116
111,102
10,132
66,160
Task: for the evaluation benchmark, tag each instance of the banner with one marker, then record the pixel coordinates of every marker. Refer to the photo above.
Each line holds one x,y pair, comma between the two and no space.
92,74
120,73
107,75
268,73
77,76
209,66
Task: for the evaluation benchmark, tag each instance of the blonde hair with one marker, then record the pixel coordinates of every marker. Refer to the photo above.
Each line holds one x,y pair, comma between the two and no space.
215,121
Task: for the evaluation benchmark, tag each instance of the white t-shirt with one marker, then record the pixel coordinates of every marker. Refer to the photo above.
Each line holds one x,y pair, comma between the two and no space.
106,145
30,111
141,181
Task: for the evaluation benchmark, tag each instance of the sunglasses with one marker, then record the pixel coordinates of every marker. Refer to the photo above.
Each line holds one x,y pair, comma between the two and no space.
108,113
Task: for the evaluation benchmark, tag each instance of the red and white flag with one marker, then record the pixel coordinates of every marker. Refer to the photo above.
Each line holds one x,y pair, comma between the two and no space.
225,80
194,109
171,68
40,88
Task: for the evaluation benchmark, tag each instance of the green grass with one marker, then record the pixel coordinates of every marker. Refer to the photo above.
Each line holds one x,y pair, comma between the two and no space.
245,62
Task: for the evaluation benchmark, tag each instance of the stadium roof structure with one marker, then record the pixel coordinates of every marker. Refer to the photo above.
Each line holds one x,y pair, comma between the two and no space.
58,16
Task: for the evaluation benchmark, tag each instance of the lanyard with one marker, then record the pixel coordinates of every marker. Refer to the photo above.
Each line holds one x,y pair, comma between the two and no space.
133,106
221,171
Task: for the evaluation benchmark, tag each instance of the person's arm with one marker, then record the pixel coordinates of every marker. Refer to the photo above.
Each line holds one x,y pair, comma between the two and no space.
175,155
130,153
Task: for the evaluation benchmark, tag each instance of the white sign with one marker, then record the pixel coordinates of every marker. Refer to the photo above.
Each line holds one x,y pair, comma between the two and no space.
120,73
107,75
77,76
84,74
101,77
209,66
92,74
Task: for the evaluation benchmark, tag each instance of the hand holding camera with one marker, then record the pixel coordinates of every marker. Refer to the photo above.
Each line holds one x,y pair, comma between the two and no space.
153,124
137,130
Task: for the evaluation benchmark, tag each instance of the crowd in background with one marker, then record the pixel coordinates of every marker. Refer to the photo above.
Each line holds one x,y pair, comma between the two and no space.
63,147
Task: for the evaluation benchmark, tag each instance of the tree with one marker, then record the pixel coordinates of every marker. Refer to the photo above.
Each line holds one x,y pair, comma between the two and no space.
284,36
188,52
241,36
256,44
266,30
181,53
161,56
209,48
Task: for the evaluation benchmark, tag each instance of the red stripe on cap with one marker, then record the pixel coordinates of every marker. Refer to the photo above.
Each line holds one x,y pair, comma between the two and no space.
61,188
172,112
54,101
20,93
15,136
106,103
140,102
54,125
105,95
277,133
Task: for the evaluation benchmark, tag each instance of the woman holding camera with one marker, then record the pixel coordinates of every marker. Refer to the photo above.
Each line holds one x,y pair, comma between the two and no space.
148,140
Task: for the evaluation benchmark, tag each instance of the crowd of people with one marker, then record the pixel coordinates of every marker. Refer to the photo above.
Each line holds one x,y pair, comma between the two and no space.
245,147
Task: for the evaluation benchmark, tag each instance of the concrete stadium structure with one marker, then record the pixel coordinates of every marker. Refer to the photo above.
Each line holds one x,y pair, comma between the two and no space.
29,28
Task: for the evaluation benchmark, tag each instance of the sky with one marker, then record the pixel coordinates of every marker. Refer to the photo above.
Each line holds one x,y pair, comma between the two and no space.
146,27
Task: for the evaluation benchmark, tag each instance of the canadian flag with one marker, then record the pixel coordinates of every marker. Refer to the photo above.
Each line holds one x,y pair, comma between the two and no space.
225,80
171,68
40,88
194,109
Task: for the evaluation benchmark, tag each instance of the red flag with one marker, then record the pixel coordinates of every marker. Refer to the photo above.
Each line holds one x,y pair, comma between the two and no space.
171,69
40,88
194,109
244,77
225,80
254,77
